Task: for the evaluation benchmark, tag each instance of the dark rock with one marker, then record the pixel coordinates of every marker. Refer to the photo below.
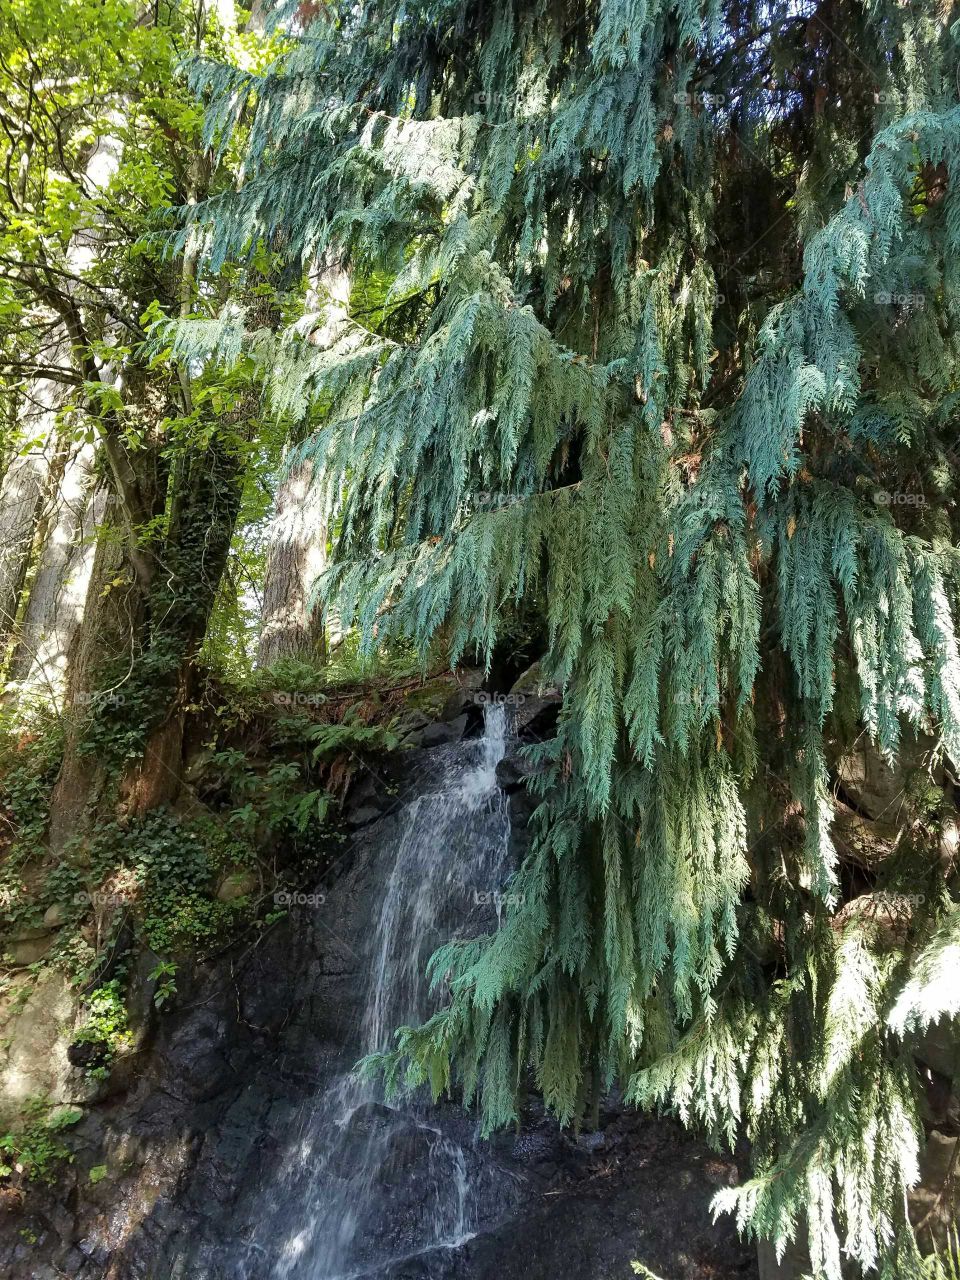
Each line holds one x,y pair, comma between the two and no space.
536,705
794,1263
409,724
939,1047
87,1054
363,815
932,1204
460,701
513,772
441,733
73,1262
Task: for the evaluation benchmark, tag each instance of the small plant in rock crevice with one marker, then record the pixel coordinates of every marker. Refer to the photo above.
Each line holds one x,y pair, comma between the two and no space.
34,1151
105,1031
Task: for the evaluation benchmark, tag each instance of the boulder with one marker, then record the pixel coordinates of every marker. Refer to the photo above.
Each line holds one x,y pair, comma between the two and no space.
877,790
441,733
939,1047
534,703
27,951
367,800
38,1032
794,1264
409,724
56,915
861,841
238,884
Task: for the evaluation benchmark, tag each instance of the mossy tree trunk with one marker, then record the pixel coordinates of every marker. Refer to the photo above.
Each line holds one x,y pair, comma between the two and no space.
132,666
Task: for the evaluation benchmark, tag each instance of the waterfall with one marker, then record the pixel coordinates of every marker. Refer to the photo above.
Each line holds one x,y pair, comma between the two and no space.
322,1219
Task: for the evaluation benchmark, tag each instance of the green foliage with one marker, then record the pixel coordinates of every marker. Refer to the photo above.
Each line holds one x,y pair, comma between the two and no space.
945,1263
329,740
104,1026
101,136
931,992
596,377
35,1150
161,872
164,976
30,753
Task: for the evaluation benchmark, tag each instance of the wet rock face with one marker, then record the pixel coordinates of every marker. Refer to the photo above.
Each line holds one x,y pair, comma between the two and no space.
189,1155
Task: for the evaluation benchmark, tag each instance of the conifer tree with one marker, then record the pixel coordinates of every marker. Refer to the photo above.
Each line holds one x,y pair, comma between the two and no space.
675,283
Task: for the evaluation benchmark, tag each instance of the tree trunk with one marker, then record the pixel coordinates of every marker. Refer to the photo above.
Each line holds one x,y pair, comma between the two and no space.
55,605
24,487
27,479
195,556
20,502
296,557
297,548
132,662
110,620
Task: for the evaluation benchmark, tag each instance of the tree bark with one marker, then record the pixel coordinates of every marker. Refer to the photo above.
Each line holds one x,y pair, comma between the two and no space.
132,662
297,538
55,605
297,555
112,617
25,483
195,556
20,501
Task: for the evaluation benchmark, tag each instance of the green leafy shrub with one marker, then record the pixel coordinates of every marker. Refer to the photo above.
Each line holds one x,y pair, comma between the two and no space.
105,1028
35,1151
31,748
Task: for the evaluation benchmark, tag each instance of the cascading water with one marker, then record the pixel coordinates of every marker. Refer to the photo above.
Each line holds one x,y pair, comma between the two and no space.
322,1219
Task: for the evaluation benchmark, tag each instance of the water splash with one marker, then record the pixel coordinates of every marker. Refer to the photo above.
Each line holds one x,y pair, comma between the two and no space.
325,1219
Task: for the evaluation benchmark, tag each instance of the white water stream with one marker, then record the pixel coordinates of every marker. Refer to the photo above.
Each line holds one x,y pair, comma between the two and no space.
328,1216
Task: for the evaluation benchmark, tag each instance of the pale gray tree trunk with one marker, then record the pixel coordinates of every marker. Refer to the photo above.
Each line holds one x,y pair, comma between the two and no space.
55,606
109,620
297,537
50,496
296,556
25,485
20,501
42,496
